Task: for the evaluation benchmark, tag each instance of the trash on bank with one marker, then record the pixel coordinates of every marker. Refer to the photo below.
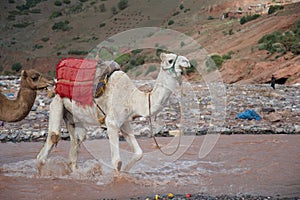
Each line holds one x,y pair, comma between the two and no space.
248,114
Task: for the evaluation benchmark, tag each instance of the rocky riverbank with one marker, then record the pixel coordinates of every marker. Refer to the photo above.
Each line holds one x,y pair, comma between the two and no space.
201,113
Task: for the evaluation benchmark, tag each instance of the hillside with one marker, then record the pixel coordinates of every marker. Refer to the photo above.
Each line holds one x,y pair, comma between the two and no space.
39,36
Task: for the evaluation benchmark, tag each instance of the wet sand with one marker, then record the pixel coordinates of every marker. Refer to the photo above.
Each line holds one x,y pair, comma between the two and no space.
267,165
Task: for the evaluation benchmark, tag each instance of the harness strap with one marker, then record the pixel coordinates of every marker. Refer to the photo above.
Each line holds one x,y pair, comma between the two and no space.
153,135
100,119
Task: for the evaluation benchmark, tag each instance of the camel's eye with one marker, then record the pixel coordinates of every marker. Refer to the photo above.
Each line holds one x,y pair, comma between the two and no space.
171,61
35,77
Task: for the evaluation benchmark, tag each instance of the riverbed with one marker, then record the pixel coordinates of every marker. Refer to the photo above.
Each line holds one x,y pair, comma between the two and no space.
267,165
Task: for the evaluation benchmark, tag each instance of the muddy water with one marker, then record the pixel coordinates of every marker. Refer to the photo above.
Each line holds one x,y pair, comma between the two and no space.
266,165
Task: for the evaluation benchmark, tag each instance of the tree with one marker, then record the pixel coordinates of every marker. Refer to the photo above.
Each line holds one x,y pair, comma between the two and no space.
16,67
123,4
102,8
114,10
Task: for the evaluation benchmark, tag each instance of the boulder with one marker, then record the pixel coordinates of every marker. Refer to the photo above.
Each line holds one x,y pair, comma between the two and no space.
274,117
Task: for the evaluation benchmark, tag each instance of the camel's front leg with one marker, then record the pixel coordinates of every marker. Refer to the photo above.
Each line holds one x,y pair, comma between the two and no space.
130,138
113,134
55,117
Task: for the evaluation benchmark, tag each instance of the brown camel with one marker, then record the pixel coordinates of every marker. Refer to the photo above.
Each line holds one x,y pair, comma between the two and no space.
17,109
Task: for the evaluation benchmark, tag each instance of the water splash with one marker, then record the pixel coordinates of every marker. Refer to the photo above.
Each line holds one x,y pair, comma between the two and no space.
179,173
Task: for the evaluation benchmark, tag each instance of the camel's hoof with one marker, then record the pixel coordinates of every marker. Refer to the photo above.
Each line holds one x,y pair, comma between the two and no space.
40,166
119,165
72,166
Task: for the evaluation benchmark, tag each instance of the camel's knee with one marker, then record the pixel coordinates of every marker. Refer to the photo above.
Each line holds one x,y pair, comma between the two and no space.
54,138
138,155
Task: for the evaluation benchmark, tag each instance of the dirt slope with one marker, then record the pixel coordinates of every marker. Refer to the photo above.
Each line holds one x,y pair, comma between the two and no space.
39,46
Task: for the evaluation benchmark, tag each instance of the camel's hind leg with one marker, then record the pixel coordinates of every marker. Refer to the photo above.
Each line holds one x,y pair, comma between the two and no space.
55,117
113,134
77,135
130,138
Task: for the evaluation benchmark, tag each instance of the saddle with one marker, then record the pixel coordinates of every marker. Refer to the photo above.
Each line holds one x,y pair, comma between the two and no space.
76,78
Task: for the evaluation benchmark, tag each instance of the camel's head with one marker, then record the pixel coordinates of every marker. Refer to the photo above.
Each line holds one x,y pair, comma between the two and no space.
174,63
34,80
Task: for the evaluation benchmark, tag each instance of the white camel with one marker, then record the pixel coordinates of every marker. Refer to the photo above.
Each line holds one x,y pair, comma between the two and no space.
120,102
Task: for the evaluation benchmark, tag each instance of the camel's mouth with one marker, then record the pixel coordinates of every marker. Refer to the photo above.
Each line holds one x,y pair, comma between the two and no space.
46,85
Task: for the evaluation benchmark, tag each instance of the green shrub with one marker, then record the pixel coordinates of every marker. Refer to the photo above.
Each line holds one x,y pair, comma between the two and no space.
170,22
55,14
35,11
123,59
136,51
16,67
296,28
102,8
140,60
114,10
280,42
186,10
77,52
22,7
246,19
262,46
57,3
138,73
210,18
123,4
193,67
22,25
160,49
7,73
152,68
28,4
62,25
37,46
227,56
102,25
181,6
75,9
11,17
176,13
182,43
218,60
210,65
66,1
274,8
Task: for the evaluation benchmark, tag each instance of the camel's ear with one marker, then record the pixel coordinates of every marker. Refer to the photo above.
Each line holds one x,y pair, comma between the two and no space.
24,73
162,56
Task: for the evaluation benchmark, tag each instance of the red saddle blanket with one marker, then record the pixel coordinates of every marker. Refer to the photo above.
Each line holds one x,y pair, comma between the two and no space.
75,79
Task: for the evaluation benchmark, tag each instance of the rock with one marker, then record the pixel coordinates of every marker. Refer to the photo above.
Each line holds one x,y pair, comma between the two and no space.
297,128
3,137
274,117
268,110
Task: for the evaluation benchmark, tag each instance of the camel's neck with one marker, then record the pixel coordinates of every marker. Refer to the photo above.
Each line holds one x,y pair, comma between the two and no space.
165,85
17,109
